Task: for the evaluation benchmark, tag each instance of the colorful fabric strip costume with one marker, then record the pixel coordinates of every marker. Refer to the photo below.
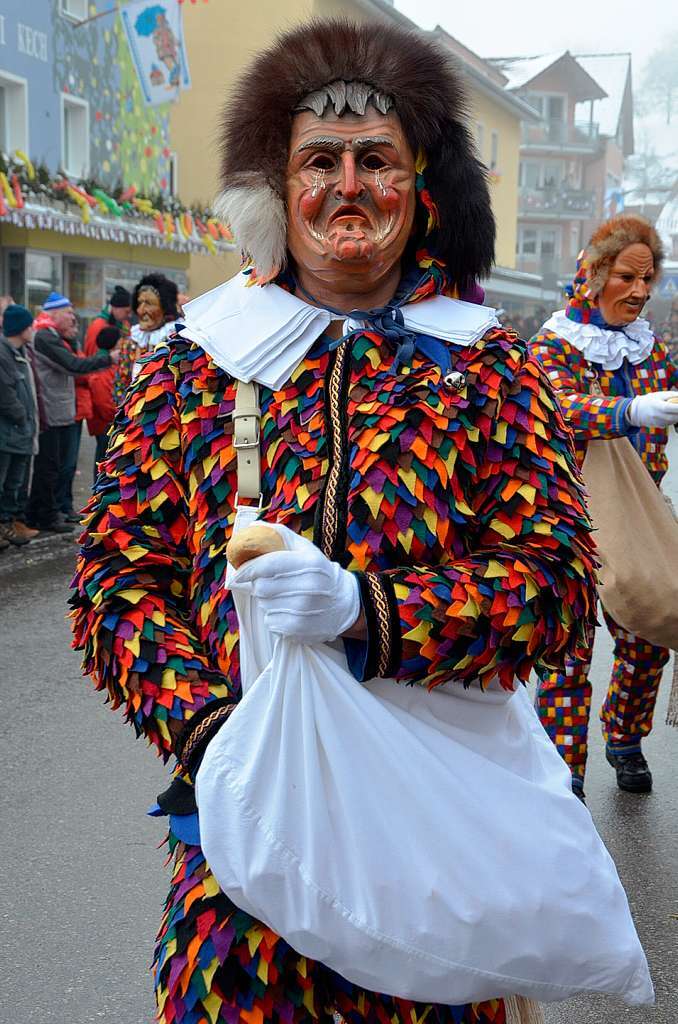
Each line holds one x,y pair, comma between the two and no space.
596,374
452,493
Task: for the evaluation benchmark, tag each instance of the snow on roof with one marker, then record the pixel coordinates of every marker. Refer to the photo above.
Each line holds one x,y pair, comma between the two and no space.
610,71
520,70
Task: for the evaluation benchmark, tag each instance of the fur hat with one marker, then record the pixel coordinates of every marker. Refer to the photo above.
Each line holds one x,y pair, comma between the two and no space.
425,88
164,288
610,239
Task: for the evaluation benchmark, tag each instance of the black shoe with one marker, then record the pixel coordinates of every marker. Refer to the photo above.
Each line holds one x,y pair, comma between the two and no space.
69,517
4,544
57,527
633,774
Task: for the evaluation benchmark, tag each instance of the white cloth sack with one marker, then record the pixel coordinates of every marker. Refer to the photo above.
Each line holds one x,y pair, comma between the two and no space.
425,845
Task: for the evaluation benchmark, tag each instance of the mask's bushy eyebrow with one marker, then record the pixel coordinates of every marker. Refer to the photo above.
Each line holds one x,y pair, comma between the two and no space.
364,142
331,144
327,142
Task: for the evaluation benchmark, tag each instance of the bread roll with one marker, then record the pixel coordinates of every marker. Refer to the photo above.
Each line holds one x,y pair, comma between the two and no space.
251,542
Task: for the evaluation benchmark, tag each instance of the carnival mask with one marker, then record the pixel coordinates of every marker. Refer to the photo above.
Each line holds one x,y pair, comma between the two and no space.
350,194
149,310
628,285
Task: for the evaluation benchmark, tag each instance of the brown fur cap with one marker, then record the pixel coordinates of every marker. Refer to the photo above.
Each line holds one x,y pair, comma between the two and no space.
610,239
428,96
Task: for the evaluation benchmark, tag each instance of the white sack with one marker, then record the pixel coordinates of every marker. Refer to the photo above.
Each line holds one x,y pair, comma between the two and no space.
425,845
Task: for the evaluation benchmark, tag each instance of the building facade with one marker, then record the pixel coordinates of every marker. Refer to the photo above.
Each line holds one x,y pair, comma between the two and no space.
71,104
572,158
88,195
226,44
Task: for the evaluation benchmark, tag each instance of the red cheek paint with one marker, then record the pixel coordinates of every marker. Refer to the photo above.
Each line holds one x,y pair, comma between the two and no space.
309,204
387,200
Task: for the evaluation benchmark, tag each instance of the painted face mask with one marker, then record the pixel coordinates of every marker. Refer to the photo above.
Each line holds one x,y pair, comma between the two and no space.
149,310
350,193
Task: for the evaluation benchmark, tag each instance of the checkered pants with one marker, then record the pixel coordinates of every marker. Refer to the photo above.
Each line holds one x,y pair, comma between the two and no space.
564,698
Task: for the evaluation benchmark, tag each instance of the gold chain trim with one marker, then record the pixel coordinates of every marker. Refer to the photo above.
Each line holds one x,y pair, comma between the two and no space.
202,728
383,622
330,507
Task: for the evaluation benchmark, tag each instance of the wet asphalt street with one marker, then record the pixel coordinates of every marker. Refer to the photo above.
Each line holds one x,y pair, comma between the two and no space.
82,877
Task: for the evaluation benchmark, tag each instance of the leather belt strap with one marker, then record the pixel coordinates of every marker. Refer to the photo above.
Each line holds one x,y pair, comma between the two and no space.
246,420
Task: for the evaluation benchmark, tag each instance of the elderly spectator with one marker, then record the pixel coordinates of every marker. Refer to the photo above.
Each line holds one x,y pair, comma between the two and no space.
57,367
18,422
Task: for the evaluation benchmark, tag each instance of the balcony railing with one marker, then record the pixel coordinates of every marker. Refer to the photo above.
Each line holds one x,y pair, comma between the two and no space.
550,267
556,202
560,134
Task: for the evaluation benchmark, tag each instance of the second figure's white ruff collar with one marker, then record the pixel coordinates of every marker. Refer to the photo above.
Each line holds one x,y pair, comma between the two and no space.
603,346
147,340
263,333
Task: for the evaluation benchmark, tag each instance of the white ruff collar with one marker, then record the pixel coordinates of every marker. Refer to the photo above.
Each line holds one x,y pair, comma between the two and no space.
147,340
601,345
263,333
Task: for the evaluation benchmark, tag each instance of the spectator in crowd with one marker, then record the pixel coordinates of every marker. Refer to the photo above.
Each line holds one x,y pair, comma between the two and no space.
116,313
109,329
18,423
57,367
104,387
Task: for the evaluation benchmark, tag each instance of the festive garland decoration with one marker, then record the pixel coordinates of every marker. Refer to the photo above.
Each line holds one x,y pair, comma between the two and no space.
21,180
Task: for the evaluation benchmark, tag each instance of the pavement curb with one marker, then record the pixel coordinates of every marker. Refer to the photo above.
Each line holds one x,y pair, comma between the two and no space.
40,549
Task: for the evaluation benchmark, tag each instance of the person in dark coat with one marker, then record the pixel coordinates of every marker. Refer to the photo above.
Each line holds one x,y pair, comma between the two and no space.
18,422
57,367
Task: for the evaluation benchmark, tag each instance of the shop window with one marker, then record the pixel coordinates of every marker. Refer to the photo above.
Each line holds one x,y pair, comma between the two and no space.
13,113
75,136
76,9
16,276
85,286
43,275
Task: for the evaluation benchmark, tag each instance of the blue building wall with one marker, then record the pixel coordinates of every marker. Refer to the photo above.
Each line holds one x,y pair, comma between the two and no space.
44,109
129,142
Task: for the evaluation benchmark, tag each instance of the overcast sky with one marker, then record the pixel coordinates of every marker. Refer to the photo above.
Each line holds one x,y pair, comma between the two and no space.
496,28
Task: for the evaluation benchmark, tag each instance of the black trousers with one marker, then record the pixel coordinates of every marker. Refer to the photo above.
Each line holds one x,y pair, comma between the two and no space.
14,470
64,493
43,506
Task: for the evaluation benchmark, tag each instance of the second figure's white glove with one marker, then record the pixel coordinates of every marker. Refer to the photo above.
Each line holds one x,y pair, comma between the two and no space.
302,593
653,409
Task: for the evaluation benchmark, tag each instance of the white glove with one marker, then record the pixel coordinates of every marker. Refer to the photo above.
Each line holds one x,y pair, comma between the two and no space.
302,593
653,409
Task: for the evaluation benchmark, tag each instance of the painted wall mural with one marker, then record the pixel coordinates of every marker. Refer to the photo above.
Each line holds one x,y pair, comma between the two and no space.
129,141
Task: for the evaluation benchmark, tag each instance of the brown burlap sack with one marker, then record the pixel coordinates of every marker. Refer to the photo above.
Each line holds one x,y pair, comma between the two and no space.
637,538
